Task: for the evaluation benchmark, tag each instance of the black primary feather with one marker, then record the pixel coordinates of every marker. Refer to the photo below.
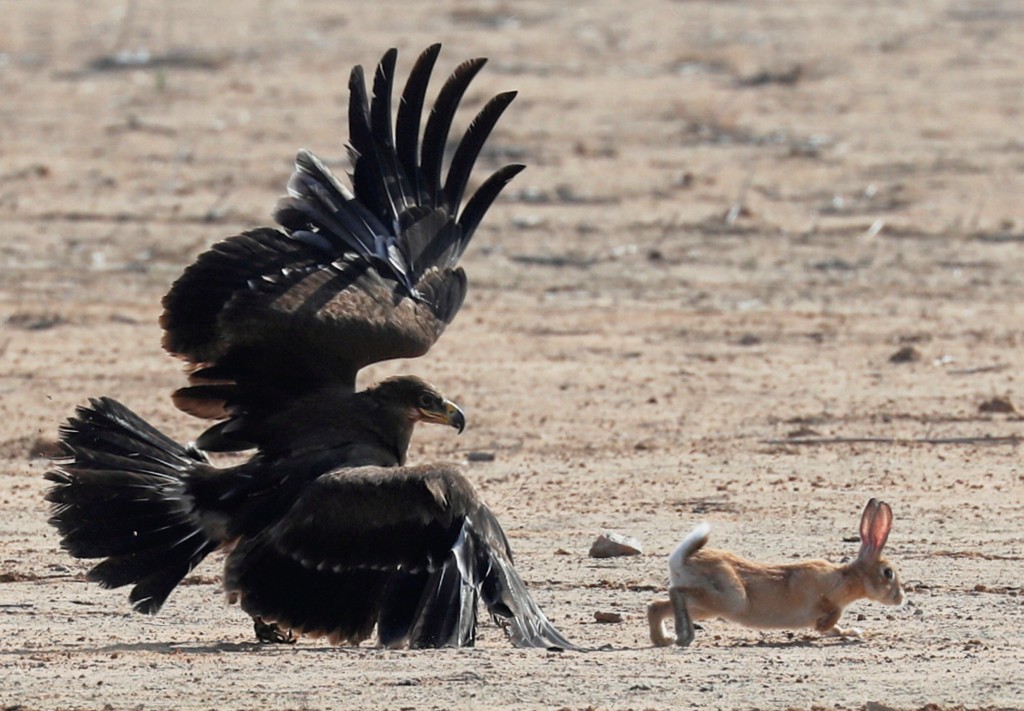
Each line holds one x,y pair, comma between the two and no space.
482,200
469,149
504,593
407,125
439,123
389,181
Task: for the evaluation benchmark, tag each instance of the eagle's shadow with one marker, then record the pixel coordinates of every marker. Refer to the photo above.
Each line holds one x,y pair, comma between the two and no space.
197,647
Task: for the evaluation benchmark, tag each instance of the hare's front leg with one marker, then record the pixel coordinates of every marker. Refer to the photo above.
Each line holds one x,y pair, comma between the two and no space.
829,627
844,632
684,625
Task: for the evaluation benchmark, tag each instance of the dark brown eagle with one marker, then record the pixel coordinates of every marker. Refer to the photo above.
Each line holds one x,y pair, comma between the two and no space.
328,531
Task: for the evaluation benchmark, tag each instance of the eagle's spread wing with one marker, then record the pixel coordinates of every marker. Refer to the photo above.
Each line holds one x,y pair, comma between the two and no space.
357,276
408,550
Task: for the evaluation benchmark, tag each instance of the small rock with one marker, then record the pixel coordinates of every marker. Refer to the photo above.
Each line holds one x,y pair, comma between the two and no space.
802,431
480,456
999,404
613,545
906,354
608,617
33,321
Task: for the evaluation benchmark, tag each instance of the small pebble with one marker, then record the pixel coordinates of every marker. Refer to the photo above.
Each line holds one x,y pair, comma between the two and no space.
999,404
613,545
906,354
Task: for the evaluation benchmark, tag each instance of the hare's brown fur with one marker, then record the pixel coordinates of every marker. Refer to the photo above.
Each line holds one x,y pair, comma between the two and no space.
707,583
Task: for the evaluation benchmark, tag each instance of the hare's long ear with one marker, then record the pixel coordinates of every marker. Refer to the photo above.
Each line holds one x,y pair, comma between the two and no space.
875,523
881,525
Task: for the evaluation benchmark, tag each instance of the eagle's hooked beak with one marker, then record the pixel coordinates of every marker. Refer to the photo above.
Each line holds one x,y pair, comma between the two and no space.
448,414
455,416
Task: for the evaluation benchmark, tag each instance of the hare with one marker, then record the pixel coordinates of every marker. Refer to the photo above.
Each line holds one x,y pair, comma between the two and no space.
705,583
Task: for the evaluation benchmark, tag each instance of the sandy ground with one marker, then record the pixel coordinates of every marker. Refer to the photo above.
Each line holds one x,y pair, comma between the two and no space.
735,213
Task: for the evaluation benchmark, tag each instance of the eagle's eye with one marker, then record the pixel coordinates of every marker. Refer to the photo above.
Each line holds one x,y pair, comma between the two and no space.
428,401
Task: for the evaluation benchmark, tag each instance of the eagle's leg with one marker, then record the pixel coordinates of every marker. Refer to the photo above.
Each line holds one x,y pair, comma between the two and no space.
270,633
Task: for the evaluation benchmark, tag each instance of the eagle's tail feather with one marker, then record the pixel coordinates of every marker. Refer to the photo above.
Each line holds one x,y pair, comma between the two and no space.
121,495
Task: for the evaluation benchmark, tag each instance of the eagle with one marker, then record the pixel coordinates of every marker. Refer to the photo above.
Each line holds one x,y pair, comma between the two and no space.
328,531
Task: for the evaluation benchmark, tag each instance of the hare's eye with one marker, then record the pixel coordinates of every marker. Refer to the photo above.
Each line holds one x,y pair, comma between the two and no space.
887,572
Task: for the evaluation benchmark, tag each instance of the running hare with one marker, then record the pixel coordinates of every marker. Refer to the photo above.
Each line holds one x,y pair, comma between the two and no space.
706,583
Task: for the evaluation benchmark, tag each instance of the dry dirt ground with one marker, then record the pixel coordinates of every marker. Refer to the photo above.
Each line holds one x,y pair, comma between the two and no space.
735,213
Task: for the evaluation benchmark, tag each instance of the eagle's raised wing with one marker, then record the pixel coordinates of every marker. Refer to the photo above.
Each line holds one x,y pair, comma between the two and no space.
406,550
357,276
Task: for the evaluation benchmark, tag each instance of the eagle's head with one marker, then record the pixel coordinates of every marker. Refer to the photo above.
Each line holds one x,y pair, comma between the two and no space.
419,400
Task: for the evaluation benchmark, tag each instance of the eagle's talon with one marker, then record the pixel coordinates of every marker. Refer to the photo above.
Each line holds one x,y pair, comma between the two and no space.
270,633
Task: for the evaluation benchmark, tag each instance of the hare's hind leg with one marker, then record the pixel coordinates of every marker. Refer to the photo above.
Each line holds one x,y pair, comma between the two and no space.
684,625
658,613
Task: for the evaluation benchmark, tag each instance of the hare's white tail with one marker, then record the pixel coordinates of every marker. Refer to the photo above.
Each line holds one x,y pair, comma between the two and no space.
693,542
